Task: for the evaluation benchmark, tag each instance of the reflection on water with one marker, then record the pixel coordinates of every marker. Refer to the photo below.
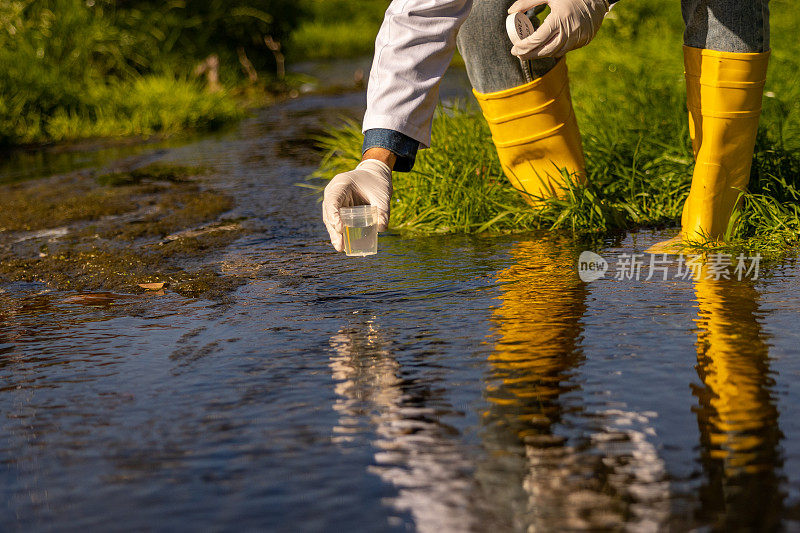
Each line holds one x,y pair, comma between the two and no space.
604,479
737,415
547,460
414,450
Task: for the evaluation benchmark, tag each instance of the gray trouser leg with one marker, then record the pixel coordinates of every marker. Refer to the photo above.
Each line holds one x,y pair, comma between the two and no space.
486,49
727,25
724,25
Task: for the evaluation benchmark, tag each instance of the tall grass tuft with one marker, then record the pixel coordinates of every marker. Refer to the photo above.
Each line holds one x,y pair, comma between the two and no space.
459,186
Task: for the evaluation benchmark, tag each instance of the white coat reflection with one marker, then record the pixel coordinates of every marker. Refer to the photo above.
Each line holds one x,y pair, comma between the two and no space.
417,454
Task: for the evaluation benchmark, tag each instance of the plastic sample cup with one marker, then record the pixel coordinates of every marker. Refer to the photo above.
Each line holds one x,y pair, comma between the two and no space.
360,230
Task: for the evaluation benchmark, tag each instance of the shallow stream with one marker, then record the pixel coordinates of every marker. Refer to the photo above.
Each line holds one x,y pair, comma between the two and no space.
446,384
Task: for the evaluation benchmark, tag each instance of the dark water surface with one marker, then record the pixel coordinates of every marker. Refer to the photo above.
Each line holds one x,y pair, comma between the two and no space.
447,384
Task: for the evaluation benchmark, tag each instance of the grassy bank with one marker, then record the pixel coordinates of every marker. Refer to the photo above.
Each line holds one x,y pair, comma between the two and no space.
334,29
150,105
72,69
629,97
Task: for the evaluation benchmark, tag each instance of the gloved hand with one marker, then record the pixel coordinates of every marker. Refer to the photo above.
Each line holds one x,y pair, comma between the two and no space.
369,184
571,24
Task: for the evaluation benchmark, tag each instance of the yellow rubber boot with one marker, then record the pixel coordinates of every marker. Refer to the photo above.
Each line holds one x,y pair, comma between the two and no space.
534,130
723,95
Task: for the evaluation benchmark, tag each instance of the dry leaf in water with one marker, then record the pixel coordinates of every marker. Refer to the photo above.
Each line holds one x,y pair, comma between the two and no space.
152,286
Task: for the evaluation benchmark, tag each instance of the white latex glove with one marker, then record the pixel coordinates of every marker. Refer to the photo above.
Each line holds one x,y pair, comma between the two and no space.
369,184
571,24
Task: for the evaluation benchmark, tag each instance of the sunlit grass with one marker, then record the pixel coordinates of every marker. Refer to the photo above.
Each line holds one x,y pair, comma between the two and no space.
333,40
335,29
148,106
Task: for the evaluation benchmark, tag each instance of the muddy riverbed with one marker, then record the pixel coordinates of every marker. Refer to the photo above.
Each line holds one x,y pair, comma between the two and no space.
451,383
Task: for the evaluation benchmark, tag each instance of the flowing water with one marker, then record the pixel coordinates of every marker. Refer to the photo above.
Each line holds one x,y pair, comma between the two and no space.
446,384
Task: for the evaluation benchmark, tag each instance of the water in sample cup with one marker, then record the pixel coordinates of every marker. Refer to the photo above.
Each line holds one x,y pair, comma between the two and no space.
360,230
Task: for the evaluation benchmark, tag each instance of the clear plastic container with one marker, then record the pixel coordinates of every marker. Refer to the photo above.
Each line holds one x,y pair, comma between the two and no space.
360,230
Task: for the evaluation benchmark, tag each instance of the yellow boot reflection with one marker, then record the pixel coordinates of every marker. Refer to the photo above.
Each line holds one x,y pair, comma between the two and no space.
538,347
738,418
538,327
534,474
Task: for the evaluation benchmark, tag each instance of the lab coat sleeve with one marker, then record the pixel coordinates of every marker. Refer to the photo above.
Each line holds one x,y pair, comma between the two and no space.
414,47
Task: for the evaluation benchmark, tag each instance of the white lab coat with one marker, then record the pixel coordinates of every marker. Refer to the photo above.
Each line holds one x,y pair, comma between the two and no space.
414,47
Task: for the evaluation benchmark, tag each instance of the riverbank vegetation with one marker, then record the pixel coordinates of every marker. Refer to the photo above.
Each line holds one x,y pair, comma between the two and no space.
629,97
76,69
73,69
333,29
